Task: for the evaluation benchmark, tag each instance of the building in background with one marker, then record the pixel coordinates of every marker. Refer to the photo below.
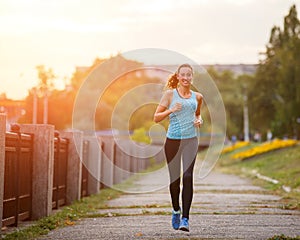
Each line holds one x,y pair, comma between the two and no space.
13,109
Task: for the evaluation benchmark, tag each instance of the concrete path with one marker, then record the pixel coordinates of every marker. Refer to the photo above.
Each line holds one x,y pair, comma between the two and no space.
224,207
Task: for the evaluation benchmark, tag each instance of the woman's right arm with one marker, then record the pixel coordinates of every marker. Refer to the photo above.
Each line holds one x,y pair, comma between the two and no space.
161,113
162,110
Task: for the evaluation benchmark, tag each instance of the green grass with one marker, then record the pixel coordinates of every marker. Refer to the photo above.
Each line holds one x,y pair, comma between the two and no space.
282,165
65,216
283,237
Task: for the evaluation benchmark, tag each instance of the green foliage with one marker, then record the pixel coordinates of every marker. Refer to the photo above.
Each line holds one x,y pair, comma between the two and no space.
139,135
276,87
46,77
283,237
142,117
233,90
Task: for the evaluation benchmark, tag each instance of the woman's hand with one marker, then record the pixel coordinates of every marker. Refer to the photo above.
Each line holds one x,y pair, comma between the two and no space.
176,107
162,112
198,122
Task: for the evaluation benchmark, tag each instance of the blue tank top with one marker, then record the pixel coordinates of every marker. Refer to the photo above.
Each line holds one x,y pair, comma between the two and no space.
182,122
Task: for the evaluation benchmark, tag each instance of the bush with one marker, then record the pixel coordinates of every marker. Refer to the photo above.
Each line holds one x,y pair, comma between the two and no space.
139,135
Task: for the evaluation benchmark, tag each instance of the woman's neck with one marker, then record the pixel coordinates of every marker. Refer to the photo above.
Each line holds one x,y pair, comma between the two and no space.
184,91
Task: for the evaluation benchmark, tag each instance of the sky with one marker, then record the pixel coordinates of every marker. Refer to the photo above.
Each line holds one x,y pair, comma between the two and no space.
63,34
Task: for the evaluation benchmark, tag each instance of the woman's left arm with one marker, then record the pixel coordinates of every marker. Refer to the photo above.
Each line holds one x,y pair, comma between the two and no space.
199,120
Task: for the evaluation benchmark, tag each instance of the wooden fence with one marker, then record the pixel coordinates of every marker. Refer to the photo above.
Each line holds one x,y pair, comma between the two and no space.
17,178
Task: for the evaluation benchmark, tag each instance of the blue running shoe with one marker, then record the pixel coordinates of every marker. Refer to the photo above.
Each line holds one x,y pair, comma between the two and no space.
184,225
176,219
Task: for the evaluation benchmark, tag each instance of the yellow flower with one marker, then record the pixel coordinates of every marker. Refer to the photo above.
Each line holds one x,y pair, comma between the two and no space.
265,147
235,146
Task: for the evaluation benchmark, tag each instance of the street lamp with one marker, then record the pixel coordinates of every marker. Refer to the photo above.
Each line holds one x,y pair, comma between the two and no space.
34,108
40,92
246,119
45,115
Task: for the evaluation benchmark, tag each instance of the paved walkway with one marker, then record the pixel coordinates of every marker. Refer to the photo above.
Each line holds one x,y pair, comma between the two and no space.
224,207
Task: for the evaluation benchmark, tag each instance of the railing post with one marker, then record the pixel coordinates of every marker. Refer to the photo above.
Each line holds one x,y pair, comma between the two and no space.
107,164
2,161
74,167
93,164
42,169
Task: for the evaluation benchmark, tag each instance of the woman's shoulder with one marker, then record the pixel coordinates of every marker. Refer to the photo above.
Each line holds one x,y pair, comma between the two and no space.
198,95
169,92
166,98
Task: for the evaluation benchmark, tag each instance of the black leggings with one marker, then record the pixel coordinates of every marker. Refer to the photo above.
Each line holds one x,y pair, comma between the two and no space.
174,150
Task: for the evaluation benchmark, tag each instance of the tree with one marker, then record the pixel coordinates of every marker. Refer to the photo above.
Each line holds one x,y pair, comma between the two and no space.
232,92
276,89
123,86
289,75
46,77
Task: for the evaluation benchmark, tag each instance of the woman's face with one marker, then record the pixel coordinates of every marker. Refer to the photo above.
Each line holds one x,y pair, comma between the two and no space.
185,76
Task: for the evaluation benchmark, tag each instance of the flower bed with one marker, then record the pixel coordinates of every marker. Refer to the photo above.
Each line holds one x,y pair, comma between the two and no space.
234,147
265,147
